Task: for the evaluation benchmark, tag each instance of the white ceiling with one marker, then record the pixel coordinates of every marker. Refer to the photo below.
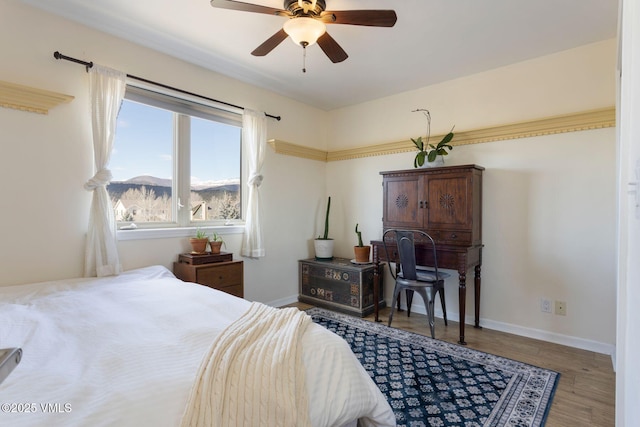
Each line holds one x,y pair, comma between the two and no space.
432,41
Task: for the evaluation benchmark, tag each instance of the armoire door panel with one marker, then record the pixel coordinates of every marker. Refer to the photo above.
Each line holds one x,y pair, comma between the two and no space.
402,203
448,203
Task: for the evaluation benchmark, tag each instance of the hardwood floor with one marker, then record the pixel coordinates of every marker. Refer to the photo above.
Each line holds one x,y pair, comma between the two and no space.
585,395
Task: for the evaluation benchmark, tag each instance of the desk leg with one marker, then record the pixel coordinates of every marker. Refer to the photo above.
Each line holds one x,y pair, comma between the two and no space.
376,283
462,300
477,295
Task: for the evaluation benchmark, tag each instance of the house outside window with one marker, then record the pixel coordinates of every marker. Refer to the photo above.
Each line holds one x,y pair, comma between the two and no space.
175,162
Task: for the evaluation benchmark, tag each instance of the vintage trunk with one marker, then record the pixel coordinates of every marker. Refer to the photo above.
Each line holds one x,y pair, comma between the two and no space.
338,285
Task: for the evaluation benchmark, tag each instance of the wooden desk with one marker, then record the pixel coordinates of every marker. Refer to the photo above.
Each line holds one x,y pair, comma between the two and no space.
451,257
445,202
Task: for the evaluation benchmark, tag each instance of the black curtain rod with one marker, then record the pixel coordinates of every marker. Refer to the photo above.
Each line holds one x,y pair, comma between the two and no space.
88,65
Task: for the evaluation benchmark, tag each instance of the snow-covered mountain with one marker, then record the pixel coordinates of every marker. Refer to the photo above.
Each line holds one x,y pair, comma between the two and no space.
162,186
147,180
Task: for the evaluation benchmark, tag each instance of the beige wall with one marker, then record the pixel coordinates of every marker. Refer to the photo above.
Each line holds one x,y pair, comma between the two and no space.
548,201
46,159
567,82
548,230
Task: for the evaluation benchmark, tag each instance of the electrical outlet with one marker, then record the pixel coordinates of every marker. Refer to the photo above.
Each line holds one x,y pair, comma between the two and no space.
561,308
545,305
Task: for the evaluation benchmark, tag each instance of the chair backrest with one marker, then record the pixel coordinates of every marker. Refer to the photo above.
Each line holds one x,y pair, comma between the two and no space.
407,253
405,241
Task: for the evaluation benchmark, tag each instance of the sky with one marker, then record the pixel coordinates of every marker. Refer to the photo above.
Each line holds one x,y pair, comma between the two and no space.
143,145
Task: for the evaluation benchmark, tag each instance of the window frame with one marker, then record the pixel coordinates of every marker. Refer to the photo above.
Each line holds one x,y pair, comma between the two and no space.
184,107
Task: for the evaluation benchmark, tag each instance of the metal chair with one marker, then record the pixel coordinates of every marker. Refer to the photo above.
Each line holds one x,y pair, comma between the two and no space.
412,278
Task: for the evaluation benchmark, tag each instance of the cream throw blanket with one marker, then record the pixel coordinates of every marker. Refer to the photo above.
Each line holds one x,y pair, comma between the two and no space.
253,374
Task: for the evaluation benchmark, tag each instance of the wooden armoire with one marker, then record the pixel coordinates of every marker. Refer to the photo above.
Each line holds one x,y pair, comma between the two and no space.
446,202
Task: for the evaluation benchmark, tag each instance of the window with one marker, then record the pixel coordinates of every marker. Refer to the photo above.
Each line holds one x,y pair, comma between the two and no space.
175,162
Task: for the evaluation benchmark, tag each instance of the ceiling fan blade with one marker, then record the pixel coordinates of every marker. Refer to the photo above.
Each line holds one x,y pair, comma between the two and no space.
331,48
371,18
248,7
270,43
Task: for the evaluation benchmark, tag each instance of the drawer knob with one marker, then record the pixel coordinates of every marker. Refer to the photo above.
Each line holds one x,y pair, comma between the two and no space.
454,236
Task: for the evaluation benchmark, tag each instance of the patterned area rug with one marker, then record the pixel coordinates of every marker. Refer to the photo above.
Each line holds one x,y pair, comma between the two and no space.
434,383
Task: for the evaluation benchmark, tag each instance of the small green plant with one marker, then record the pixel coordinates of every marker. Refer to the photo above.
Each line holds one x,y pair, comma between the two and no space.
359,234
326,222
215,237
199,242
426,151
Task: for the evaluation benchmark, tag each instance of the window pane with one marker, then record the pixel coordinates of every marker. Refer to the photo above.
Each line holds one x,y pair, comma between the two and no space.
142,164
215,171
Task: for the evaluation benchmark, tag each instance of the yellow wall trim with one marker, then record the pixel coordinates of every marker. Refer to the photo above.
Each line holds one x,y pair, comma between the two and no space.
282,147
587,120
26,98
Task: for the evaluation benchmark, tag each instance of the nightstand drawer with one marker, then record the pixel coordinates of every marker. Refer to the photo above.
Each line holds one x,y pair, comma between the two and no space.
226,276
233,290
229,274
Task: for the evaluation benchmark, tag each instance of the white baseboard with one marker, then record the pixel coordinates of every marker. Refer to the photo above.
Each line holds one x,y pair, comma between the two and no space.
539,334
283,301
570,341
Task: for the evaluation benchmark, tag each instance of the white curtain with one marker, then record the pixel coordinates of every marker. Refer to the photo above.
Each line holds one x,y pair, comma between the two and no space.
254,137
106,90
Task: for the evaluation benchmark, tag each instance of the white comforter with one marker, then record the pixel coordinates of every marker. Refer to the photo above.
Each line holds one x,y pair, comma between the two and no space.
125,350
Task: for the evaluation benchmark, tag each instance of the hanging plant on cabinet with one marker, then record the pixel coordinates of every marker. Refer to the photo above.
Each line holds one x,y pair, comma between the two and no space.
427,152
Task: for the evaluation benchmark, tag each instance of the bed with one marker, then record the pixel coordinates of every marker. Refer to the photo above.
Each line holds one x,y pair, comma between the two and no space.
125,351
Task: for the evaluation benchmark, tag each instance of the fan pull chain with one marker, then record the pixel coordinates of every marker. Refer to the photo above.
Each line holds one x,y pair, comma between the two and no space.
304,59
304,56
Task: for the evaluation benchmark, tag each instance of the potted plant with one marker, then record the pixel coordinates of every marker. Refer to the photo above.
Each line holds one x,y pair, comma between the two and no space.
216,243
199,242
324,245
430,155
361,251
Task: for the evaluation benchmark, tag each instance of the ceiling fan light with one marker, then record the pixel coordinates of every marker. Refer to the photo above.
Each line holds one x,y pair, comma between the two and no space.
304,31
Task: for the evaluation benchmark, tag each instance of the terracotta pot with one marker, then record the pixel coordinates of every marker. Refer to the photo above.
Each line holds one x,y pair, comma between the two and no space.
198,246
362,253
215,247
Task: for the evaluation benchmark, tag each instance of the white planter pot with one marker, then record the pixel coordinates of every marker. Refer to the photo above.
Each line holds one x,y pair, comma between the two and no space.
324,248
439,161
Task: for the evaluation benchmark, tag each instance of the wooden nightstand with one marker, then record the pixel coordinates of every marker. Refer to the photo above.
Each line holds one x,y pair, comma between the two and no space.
227,276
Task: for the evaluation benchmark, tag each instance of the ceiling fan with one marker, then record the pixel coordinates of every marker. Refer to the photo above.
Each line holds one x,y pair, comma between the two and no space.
306,24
